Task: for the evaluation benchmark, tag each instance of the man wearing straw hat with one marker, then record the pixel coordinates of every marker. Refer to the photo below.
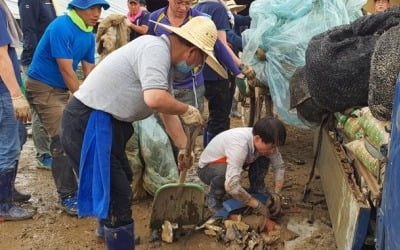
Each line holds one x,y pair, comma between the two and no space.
129,85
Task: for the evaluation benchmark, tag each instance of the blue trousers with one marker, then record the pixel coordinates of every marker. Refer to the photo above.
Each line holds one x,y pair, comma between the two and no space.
10,145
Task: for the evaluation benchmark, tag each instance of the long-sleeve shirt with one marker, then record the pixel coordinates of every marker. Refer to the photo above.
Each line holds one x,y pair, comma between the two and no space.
35,15
236,147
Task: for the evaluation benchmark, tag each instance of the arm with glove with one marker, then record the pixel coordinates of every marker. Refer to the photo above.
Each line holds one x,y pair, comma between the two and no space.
21,107
163,102
246,80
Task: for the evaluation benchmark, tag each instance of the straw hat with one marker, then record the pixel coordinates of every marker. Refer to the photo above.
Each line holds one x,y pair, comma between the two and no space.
232,6
370,5
202,33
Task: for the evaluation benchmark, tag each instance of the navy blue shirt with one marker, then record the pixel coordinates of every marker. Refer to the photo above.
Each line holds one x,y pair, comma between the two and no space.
35,15
5,40
234,36
220,17
143,19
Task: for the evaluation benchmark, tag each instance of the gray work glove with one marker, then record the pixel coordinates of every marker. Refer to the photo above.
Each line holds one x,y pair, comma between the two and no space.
261,209
261,54
274,204
250,74
192,116
248,71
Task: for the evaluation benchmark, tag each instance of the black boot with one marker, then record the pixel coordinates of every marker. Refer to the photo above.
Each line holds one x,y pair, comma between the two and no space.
120,238
16,195
100,229
8,210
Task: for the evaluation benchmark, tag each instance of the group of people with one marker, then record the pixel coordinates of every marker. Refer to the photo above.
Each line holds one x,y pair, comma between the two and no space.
174,60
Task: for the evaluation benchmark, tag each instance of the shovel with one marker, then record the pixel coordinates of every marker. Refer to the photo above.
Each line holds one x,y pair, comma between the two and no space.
181,202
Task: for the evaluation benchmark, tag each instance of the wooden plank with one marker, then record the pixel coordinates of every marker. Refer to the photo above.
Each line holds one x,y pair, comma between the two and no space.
371,181
348,210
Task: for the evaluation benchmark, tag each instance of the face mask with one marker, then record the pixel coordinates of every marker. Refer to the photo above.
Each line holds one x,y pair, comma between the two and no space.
183,68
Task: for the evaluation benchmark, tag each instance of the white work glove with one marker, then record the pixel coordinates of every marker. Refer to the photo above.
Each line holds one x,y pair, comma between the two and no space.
22,110
192,116
185,162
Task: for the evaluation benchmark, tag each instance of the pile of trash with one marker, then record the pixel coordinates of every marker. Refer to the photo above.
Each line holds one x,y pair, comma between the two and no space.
238,232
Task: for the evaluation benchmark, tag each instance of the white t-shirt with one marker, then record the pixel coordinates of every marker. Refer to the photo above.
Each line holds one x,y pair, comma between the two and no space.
116,84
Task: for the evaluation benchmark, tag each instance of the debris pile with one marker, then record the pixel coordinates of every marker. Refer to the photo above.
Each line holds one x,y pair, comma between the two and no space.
247,232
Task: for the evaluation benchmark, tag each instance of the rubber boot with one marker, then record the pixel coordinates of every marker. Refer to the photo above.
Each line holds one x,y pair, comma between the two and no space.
120,238
215,197
16,195
234,110
9,211
100,230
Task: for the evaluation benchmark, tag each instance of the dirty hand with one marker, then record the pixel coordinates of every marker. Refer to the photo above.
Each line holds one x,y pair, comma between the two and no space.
261,209
192,116
275,204
184,161
22,110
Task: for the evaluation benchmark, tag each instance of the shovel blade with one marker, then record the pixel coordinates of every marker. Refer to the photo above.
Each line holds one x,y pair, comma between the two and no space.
178,203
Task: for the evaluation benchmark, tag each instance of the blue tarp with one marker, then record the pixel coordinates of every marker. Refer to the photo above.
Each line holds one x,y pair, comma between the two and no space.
389,211
283,29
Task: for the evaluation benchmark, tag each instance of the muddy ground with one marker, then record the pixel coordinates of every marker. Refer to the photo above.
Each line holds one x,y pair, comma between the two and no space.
53,229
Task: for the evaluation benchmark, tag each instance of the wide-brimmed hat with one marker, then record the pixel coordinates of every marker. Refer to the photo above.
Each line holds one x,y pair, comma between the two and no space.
370,5
232,6
86,4
202,33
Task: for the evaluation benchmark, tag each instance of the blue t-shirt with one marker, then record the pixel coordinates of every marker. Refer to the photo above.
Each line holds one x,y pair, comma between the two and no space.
62,39
219,15
160,16
5,40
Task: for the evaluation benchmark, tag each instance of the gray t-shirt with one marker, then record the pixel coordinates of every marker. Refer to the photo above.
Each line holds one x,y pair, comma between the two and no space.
116,84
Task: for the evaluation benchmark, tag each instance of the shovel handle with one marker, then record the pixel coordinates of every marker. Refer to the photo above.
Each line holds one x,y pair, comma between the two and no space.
182,176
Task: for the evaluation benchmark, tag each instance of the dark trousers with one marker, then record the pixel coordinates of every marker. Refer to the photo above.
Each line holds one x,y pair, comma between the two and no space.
49,102
219,95
214,176
73,124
